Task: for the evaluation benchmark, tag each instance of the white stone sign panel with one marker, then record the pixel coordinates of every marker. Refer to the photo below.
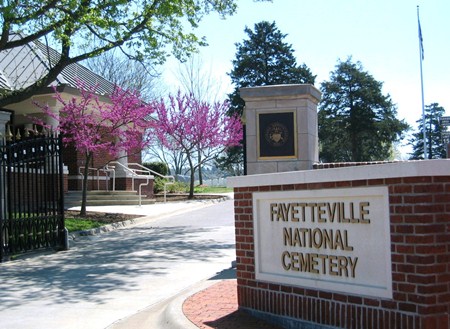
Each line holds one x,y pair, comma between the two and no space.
329,239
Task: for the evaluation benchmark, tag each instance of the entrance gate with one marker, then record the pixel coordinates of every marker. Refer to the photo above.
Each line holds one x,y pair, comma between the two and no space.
31,195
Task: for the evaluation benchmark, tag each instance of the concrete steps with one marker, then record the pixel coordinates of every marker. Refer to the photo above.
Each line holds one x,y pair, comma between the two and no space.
105,198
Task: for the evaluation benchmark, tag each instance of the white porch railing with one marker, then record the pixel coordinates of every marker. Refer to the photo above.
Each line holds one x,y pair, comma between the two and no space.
97,175
138,172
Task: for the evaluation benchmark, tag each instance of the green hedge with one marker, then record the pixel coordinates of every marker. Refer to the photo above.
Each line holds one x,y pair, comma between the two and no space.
160,167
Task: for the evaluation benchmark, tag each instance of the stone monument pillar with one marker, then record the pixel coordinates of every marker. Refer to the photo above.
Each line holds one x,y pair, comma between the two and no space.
281,128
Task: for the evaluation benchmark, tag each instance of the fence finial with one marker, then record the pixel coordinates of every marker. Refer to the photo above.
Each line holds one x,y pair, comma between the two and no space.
9,136
18,136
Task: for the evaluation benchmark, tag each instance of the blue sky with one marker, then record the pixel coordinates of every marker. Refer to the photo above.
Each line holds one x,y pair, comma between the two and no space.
382,35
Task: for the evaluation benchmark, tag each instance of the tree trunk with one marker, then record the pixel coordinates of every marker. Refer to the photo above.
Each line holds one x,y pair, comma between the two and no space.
85,182
191,185
200,176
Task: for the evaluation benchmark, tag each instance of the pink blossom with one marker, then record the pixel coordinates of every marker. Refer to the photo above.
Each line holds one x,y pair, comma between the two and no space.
200,130
92,125
189,124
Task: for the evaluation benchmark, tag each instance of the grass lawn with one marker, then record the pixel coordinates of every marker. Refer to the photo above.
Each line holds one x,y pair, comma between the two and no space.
210,189
80,224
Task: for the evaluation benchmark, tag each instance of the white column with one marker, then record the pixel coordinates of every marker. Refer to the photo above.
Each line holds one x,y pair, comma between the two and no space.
123,160
4,118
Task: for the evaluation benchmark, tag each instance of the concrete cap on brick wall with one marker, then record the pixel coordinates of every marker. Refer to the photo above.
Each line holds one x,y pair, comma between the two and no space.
439,167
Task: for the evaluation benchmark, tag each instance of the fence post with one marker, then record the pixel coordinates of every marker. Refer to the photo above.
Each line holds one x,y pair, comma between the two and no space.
63,231
2,202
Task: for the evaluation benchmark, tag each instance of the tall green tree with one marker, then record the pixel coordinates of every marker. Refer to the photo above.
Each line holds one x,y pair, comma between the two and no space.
263,59
81,29
433,130
356,121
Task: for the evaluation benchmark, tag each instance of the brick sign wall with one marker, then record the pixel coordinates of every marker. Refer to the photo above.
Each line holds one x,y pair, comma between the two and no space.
418,214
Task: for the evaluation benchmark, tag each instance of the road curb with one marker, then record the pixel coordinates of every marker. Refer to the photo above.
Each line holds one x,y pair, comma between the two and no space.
167,314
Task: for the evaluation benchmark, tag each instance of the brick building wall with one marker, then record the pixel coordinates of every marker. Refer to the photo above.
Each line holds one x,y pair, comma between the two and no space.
126,184
419,205
74,160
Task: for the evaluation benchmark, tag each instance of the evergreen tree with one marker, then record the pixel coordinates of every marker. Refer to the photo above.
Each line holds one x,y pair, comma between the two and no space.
433,130
356,121
262,59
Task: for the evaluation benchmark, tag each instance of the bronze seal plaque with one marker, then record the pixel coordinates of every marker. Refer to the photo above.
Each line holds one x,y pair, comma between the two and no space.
276,135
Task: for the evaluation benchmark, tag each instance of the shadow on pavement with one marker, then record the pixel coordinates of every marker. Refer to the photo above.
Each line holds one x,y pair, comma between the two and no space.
226,274
98,264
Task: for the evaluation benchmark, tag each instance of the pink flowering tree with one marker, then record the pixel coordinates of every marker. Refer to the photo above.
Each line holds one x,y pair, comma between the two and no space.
202,131
90,125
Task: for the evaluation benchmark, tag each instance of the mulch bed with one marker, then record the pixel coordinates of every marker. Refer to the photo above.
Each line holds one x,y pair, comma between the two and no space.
106,218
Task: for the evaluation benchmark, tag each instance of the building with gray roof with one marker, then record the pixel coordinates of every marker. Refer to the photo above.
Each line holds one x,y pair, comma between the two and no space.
21,67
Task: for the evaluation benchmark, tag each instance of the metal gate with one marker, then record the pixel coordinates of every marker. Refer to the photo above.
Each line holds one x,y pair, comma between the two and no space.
31,195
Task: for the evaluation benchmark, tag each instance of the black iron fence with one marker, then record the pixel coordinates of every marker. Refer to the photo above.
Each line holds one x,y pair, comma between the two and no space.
31,195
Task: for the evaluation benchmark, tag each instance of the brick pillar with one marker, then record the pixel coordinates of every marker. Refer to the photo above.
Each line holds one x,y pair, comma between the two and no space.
419,221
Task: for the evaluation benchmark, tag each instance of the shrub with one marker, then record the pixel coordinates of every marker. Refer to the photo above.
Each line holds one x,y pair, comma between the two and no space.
176,187
159,167
158,184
